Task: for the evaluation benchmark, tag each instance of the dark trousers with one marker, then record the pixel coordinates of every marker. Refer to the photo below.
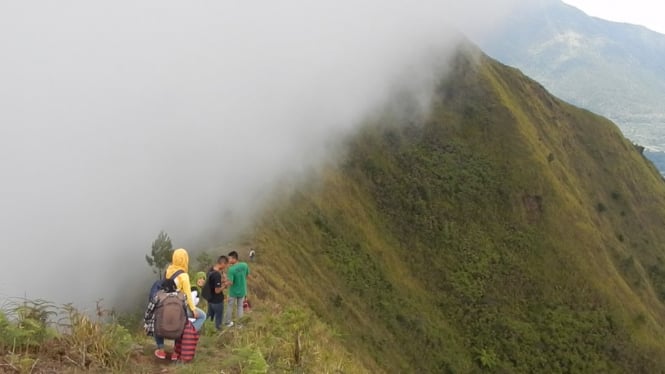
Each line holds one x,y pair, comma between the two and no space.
216,312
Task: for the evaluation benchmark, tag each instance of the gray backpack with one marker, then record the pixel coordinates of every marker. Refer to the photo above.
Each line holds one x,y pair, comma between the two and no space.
170,314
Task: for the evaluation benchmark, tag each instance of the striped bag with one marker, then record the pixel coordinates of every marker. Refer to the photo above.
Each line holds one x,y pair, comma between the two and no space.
185,347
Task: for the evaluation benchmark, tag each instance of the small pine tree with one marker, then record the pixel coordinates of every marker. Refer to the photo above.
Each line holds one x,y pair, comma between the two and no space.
161,253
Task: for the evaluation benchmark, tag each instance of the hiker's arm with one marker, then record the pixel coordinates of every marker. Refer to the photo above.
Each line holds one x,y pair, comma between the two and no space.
219,289
219,286
187,289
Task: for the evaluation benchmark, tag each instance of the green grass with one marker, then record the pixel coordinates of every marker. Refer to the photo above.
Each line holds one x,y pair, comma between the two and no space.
273,339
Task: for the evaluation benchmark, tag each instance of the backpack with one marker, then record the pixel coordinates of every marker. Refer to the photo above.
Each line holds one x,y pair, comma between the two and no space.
168,284
165,284
170,312
206,290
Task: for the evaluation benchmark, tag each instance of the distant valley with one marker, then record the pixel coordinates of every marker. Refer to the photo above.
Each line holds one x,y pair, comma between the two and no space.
614,69
658,158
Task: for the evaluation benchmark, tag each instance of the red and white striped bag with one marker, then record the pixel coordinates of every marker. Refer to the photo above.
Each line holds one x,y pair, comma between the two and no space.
185,347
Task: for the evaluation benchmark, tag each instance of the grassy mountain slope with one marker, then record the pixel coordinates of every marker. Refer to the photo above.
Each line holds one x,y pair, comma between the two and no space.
504,230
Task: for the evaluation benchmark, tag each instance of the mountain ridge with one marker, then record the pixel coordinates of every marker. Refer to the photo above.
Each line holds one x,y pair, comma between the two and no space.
505,230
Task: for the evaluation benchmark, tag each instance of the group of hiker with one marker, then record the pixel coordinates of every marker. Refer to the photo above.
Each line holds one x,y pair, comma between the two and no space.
172,311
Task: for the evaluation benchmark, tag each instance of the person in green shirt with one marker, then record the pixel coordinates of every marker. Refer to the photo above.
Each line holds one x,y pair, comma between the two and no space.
236,281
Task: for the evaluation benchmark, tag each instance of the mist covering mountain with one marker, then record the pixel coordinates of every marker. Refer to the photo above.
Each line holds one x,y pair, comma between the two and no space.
614,69
120,120
500,229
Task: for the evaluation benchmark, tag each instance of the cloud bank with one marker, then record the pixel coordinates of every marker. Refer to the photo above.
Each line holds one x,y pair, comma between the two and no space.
121,119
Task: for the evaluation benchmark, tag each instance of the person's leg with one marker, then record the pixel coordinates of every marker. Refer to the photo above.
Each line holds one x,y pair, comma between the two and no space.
229,310
198,323
241,302
218,310
159,341
233,302
221,313
211,312
159,352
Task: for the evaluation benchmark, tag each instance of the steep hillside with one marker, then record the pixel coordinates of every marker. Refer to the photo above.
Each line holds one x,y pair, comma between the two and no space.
614,69
505,230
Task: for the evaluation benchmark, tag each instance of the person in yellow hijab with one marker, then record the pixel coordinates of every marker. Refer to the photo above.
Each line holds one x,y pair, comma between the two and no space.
180,261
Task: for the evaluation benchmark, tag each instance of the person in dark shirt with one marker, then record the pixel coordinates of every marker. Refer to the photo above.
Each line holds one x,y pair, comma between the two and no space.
216,284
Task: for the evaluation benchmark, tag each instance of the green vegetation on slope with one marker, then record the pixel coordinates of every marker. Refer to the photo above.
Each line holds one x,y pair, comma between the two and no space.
506,230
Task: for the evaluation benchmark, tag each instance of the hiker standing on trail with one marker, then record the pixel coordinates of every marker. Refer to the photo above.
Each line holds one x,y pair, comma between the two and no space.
216,291
176,274
237,283
181,262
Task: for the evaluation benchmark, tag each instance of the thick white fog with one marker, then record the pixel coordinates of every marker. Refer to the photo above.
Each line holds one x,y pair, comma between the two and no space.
118,120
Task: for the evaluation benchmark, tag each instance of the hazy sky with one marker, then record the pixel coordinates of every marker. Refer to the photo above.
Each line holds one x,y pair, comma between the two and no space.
119,119
641,12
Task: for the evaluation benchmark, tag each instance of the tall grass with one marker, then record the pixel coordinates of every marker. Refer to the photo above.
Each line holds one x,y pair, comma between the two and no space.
274,339
36,335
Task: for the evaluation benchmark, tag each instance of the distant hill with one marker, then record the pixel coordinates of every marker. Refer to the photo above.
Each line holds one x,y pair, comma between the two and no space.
614,69
505,230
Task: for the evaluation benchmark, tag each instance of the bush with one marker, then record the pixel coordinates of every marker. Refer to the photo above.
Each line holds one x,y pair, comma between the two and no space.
30,336
25,326
487,359
94,344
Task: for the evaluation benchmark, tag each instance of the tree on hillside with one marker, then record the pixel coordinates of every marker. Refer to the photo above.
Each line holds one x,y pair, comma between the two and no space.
161,253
